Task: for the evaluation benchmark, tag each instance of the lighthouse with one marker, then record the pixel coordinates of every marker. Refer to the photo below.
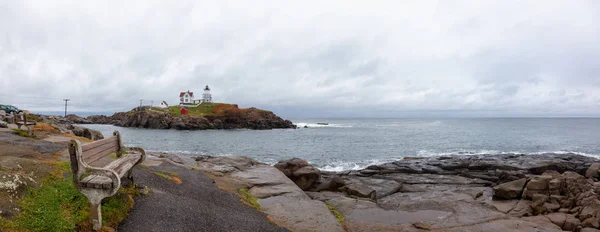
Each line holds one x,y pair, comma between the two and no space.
206,97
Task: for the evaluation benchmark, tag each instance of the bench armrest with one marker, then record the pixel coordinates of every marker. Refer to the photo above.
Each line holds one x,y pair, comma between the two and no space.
114,177
141,151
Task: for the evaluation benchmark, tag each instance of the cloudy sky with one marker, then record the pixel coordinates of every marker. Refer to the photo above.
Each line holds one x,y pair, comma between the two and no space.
307,58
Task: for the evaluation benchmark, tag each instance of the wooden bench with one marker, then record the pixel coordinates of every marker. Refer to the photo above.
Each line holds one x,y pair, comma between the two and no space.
97,182
21,120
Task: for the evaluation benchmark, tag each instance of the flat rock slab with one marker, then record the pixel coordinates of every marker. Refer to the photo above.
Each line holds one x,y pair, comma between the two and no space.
300,214
195,205
280,198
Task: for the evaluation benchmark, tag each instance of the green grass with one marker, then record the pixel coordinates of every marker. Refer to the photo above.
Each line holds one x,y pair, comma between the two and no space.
249,200
58,206
203,109
340,218
22,133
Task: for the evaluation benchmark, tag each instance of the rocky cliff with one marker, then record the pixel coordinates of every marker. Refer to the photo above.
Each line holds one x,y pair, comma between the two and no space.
229,118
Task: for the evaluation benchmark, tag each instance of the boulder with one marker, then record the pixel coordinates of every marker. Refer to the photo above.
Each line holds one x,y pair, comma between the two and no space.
510,190
557,218
92,134
591,223
592,171
306,177
299,171
537,185
3,124
571,223
290,166
359,191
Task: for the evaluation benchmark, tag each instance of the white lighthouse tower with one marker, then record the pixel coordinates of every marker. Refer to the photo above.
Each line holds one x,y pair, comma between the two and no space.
206,97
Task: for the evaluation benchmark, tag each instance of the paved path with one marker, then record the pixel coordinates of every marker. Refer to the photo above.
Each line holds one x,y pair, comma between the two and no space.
195,205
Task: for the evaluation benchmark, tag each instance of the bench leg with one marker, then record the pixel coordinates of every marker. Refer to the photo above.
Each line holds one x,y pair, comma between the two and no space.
130,177
96,216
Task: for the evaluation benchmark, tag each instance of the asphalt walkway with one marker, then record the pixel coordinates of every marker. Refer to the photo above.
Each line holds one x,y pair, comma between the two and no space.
194,205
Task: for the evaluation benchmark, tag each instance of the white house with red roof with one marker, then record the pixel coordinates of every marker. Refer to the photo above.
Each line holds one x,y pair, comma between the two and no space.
187,98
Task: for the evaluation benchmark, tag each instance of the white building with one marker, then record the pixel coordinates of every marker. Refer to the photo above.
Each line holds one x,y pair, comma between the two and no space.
206,97
187,97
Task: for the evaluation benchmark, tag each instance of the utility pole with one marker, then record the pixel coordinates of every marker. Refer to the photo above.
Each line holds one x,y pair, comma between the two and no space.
141,100
66,100
151,104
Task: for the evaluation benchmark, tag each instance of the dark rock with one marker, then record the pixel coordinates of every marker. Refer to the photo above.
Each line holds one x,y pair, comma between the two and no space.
299,171
359,191
306,177
510,190
71,118
333,184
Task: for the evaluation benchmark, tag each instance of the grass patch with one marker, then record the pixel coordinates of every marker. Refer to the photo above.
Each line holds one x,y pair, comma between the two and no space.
169,175
249,200
339,216
44,128
58,206
22,133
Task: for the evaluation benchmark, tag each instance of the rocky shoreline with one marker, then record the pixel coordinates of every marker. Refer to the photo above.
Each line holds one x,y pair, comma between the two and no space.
147,117
509,192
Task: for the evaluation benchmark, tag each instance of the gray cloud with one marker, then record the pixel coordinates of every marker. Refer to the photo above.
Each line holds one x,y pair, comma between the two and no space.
309,58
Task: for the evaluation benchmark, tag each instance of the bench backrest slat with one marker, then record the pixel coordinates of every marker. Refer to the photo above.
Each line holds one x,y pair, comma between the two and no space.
95,151
98,143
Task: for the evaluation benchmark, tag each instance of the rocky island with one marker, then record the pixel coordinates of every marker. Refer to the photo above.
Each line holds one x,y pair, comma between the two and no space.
203,117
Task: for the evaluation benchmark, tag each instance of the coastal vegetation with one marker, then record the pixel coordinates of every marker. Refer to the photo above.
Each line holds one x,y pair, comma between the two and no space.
169,175
249,200
340,218
58,206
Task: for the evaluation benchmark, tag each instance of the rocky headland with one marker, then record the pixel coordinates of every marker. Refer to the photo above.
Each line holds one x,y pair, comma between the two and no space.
203,117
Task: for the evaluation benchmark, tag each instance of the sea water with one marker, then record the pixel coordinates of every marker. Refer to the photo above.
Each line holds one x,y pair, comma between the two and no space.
346,144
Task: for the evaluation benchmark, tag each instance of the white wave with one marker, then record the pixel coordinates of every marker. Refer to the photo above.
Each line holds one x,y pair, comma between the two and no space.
313,125
426,153
338,166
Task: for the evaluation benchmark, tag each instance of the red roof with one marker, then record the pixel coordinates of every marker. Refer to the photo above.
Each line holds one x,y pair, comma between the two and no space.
190,93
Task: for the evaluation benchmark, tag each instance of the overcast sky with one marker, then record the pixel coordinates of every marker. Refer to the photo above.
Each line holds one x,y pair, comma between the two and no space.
306,58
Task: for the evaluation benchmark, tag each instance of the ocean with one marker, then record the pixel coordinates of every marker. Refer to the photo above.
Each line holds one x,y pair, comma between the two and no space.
347,144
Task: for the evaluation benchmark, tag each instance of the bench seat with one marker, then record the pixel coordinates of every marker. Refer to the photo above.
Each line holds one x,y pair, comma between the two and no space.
121,166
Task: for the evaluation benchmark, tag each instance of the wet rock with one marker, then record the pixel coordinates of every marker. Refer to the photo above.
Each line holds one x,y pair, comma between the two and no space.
591,222
359,191
510,190
592,171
